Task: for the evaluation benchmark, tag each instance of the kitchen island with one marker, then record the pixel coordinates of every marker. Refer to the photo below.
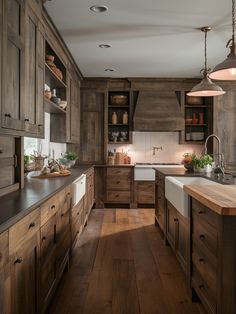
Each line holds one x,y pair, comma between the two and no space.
205,242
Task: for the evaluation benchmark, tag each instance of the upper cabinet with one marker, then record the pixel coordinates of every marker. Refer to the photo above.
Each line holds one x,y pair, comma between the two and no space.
198,113
119,118
23,72
13,65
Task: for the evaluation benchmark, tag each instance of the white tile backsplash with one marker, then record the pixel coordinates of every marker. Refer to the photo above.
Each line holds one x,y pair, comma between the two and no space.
142,148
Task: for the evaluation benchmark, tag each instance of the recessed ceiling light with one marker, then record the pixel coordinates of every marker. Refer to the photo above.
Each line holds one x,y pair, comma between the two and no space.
104,46
109,70
99,8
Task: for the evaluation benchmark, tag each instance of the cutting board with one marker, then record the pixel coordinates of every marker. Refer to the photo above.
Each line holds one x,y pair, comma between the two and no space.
52,175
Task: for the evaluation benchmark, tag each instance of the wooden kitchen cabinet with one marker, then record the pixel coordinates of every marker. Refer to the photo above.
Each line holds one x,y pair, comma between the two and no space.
92,126
33,109
213,259
119,185
22,65
5,299
74,112
24,250
13,65
48,269
160,201
144,193
177,234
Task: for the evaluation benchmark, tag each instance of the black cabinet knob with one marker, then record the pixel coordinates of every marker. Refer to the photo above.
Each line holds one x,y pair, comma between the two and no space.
53,206
202,237
32,225
7,115
201,261
1,151
18,260
44,238
26,120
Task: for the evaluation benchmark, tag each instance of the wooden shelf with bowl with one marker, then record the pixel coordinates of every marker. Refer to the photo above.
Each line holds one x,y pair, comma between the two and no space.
198,114
51,107
118,118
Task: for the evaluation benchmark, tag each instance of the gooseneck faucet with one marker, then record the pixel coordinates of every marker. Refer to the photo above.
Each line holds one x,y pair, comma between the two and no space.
219,169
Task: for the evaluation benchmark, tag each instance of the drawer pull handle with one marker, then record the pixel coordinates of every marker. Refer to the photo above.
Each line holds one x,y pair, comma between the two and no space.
201,287
118,182
44,238
202,237
18,260
117,195
7,115
1,151
32,225
201,261
62,215
68,194
201,212
53,206
26,120
176,220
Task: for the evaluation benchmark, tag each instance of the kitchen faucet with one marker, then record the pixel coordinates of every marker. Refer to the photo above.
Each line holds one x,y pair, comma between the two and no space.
156,148
219,169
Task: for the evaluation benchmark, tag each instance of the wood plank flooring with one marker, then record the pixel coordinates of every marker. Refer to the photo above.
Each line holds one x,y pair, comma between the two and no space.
121,265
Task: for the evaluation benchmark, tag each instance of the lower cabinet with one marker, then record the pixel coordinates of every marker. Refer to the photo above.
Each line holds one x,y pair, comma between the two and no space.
24,273
144,192
160,201
35,251
48,261
177,234
5,300
119,185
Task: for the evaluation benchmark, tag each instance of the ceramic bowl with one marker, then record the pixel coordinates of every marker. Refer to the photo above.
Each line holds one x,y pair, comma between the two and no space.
50,58
119,100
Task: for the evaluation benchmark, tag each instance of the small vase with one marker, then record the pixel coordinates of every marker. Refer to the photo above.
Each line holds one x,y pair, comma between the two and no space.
201,118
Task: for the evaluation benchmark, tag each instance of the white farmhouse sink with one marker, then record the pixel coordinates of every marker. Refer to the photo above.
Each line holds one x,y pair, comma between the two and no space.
175,194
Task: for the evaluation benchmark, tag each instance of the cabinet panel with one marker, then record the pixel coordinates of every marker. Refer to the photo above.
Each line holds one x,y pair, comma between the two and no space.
171,224
5,305
24,263
144,192
13,64
75,111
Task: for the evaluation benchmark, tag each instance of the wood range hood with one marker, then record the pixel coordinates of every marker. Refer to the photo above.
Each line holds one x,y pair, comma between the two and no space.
158,111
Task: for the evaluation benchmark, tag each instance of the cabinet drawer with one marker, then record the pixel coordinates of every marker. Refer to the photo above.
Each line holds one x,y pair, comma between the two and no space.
145,192
204,213
204,292
205,237
49,208
117,183
118,197
24,229
48,237
118,171
206,266
77,209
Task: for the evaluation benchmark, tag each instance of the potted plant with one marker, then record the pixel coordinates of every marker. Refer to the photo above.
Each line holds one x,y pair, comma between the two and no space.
28,164
69,159
187,161
202,163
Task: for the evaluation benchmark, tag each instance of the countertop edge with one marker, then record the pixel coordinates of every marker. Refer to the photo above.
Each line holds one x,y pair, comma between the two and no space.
207,201
15,218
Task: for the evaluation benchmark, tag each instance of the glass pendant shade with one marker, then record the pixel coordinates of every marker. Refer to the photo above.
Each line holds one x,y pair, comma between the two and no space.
206,88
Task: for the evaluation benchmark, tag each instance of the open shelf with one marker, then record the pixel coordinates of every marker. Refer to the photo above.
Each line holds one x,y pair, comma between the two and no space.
51,107
54,79
195,124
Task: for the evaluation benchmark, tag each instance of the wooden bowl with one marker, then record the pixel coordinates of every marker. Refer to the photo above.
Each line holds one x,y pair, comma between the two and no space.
120,100
194,100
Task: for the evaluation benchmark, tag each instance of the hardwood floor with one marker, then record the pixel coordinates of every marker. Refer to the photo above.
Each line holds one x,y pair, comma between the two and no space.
121,265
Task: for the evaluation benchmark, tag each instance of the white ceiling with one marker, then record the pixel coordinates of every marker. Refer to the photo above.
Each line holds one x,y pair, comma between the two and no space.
151,38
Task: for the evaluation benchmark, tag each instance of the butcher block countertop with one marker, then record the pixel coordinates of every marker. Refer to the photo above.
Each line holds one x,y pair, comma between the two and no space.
220,198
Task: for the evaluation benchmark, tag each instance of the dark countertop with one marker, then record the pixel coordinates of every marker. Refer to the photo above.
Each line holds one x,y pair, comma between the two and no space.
226,180
16,205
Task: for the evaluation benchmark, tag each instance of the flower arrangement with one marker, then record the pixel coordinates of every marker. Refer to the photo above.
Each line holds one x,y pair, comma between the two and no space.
202,163
68,159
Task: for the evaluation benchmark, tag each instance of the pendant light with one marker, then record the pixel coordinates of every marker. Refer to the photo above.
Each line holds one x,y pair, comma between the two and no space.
226,70
206,87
